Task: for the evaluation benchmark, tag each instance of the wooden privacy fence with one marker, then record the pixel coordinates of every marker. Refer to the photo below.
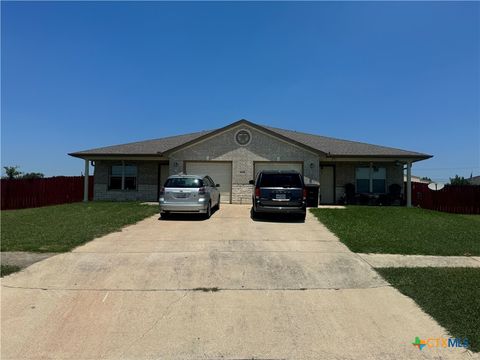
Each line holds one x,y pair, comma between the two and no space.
452,198
28,193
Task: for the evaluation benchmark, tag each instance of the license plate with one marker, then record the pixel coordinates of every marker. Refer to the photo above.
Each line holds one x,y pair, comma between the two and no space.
181,195
280,196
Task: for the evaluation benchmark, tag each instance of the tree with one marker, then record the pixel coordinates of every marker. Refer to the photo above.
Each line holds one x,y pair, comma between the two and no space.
33,175
459,180
425,178
11,172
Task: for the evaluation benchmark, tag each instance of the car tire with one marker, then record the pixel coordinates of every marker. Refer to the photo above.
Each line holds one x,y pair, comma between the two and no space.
209,211
253,213
218,204
302,217
164,216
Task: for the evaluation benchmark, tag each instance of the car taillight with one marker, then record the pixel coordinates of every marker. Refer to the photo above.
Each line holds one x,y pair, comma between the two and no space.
201,191
162,191
257,192
304,194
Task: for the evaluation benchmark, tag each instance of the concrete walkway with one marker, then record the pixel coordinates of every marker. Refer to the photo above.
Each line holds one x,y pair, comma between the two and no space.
225,288
393,260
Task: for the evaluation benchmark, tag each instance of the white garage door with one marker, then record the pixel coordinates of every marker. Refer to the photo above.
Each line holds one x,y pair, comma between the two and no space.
260,166
220,172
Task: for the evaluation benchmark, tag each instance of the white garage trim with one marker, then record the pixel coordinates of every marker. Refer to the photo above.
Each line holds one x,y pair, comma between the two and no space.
277,165
219,171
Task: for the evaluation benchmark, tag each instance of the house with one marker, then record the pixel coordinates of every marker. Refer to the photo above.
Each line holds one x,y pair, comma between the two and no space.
474,180
234,154
416,179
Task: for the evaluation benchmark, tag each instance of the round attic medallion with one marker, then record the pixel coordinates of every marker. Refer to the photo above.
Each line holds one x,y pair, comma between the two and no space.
243,137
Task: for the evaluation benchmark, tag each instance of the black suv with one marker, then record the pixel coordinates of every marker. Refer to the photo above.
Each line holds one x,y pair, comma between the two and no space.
279,192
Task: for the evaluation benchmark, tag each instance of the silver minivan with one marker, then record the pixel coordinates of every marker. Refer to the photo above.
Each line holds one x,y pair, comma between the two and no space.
189,194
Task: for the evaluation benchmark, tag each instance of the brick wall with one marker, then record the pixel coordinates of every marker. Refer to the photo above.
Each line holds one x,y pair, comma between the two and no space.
262,147
345,173
223,147
147,173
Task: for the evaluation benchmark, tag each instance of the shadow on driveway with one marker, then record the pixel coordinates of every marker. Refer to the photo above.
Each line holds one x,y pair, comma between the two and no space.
277,218
186,217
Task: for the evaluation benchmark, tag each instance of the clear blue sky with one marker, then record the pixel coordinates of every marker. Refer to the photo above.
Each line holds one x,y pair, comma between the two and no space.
83,75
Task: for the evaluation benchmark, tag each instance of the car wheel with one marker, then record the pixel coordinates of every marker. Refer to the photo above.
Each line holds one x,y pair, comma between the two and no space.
209,211
218,204
253,213
302,217
164,215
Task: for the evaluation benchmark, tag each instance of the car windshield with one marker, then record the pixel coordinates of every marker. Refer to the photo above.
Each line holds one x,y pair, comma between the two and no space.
280,180
183,183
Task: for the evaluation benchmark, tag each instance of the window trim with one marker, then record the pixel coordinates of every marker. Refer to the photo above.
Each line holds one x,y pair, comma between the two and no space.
123,165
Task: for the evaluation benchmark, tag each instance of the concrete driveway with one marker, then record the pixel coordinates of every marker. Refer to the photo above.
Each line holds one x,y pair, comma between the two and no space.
226,288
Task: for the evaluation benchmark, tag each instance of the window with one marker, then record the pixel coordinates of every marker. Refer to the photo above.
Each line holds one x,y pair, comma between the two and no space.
281,180
208,182
379,180
115,182
362,176
370,178
130,177
183,182
123,177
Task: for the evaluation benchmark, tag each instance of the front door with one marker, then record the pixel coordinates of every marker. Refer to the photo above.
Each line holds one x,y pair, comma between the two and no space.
327,184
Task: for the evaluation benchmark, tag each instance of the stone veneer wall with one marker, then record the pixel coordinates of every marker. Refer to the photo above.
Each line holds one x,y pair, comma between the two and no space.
242,194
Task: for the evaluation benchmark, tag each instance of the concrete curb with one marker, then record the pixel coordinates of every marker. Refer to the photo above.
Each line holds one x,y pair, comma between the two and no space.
395,260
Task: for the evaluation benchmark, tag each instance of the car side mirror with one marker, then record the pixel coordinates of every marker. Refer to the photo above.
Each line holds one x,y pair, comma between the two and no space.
218,185
252,182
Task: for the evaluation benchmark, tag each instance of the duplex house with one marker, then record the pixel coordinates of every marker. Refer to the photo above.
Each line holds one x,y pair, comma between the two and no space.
234,154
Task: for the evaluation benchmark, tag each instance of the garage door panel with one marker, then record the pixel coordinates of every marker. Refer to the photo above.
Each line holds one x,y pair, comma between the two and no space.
220,172
261,166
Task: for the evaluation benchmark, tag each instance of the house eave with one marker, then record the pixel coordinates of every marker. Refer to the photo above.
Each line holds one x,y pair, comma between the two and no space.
102,156
412,158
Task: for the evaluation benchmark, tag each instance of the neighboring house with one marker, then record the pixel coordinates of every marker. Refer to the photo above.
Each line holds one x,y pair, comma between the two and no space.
474,180
417,179
234,154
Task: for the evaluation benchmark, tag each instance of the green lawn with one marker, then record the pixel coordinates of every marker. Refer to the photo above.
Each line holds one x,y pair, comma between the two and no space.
63,227
400,230
8,269
450,295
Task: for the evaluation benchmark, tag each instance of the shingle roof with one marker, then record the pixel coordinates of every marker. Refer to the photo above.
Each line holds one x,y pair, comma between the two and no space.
147,147
327,145
339,147
475,180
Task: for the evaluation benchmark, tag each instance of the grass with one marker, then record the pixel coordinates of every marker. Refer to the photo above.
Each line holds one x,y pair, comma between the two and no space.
450,295
400,230
8,269
63,227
